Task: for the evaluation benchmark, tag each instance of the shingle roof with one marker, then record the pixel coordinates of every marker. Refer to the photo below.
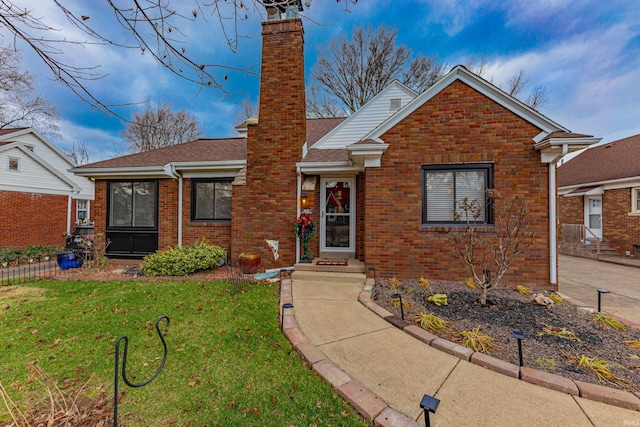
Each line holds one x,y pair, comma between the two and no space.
614,160
205,149
200,150
10,130
317,128
330,155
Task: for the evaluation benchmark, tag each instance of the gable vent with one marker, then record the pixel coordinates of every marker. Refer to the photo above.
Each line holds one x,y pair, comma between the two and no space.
395,104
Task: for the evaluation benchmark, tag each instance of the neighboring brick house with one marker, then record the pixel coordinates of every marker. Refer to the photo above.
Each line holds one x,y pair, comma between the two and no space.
599,190
381,184
40,198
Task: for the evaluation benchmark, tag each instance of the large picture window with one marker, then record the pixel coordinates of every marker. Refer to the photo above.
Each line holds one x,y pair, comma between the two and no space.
211,199
132,204
445,186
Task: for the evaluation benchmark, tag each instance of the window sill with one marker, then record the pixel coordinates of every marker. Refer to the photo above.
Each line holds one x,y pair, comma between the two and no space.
448,228
214,223
635,213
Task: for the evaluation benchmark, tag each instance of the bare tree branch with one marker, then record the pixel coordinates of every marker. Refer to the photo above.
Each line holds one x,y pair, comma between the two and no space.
19,106
160,127
153,27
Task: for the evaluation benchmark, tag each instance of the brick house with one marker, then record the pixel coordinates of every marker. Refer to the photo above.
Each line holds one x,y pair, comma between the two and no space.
381,184
599,194
40,198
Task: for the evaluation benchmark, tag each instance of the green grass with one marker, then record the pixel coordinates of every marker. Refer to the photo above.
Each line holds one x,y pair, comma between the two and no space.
228,362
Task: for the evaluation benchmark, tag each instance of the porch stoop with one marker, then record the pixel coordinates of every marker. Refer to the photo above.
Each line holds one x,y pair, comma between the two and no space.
353,266
329,277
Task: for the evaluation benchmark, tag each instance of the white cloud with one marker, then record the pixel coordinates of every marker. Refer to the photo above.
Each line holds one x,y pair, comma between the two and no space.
101,145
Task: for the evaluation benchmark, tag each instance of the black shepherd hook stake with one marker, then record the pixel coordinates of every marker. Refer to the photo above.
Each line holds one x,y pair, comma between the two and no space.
124,367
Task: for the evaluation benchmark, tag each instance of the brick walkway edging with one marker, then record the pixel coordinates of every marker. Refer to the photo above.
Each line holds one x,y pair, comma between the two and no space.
621,398
374,409
367,403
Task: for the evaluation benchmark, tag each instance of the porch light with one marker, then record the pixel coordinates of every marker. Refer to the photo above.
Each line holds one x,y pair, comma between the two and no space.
600,292
401,308
284,306
428,404
519,336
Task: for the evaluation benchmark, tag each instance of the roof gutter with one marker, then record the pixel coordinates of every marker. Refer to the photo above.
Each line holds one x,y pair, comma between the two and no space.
170,170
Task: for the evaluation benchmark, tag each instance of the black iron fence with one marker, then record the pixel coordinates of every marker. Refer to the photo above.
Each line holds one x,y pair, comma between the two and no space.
40,268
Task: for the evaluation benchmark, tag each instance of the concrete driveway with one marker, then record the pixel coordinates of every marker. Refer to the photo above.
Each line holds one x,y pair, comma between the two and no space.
579,279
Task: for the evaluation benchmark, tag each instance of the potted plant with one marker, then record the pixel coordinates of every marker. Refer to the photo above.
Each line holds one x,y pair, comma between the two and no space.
249,262
305,230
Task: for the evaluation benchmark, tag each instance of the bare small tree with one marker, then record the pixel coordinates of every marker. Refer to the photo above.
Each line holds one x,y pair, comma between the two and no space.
20,106
245,110
78,153
354,71
488,254
160,127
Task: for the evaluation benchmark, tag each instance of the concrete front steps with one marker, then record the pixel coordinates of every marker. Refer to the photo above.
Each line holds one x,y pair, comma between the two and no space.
331,277
353,266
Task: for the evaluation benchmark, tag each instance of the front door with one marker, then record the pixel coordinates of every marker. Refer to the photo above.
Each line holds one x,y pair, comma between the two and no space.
337,206
593,215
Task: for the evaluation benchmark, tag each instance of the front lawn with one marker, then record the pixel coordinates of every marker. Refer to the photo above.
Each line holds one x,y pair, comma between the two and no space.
228,363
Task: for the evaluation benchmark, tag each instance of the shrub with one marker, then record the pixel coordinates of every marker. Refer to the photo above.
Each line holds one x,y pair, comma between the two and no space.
183,260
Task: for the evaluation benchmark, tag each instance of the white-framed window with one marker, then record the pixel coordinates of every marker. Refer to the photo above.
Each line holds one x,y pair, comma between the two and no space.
635,200
82,210
446,186
13,164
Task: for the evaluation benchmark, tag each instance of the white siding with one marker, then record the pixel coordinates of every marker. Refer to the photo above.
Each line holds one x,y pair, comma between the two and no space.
31,176
367,118
54,160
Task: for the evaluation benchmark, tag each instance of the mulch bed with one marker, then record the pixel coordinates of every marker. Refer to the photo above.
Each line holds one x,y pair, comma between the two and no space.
507,311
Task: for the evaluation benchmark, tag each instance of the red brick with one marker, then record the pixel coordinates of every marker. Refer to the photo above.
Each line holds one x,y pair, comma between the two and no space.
368,404
545,379
331,373
392,418
495,365
452,348
616,397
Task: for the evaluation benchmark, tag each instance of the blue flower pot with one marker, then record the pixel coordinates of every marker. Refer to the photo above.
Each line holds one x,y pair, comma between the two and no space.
67,260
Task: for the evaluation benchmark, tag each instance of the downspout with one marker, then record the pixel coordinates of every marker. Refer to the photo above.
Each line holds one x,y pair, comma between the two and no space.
553,232
299,193
171,171
69,200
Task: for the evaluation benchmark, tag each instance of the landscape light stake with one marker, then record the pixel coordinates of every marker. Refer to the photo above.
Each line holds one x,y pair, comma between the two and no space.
401,308
285,305
600,292
124,367
519,336
428,404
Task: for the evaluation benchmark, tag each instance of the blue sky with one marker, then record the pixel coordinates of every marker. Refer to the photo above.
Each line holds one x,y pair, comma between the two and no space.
587,54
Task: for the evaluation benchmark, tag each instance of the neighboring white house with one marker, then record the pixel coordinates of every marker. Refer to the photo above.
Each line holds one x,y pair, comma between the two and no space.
40,198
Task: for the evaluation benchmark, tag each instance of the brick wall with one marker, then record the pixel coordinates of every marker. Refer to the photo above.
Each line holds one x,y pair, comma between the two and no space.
459,125
265,208
570,211
33,219
620,230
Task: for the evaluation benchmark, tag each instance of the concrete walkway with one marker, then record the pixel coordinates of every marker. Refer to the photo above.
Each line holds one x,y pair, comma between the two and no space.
580,279
384,371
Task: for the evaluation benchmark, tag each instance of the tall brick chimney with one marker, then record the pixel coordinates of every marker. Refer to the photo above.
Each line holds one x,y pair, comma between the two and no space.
266,206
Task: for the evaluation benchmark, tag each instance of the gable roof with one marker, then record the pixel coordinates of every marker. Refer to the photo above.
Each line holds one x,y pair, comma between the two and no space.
41,161
366,118
460,73
607,162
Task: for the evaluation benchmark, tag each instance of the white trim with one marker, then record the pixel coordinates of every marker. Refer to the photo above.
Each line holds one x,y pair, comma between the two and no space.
553,238
598,191
635,198
352,214
611,184
363,111
598,232
494,93
317,168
